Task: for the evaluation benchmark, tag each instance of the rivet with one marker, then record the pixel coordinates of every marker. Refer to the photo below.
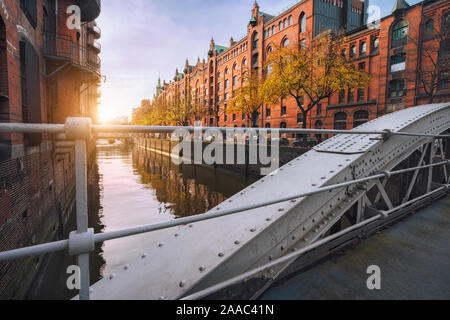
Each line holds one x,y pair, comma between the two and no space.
281,209
268,219
271,271
144,256
252,230
294,201
221,254
270,258
191,226
306,239
237,242
160,245
202,268
176,234
182,284
126,267
112,276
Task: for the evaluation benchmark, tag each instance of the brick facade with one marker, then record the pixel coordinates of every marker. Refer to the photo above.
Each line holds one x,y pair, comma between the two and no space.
40,82
374,49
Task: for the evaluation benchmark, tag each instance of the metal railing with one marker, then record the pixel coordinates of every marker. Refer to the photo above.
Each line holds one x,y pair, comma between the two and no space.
77,131
62,46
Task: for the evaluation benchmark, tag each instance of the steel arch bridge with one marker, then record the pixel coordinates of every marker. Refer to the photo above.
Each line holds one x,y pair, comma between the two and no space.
204,257
366,177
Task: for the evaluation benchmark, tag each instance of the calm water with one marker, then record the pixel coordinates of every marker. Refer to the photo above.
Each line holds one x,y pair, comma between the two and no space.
130,187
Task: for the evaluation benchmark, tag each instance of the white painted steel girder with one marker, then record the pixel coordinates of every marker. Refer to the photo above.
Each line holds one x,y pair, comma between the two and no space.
208,252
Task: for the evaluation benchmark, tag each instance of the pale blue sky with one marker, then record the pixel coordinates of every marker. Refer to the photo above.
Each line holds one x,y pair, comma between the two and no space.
144,38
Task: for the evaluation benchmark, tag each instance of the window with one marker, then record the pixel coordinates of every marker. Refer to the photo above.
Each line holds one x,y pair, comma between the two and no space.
235,66
234,117
303,44
285,42
244,63
360,117
319,110
351,95
219,86
302,22
361,94
290,21
226,96
352,51
243,116
376,43
429,25
30,88
399,33
285,23
283,111
340,121
226,84
283,125
397,88
363,48
299,118
342,96
273,29
280,26
30,10
268,125
225,118
443,80
362,66
255,41
267,113
398,62
235,81
226,71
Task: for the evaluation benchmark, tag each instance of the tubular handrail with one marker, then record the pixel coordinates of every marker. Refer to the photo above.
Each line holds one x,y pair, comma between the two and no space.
61,128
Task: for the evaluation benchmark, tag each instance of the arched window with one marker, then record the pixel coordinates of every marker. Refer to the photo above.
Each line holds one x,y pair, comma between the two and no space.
285,42
399,33
376,43
299,117
280,26
363,48
226,71
318,124
273,30
269,49
255,41
244,62
429,25
285,23
340,121
352,51
446,21
235,66
302,22
360,117
290,21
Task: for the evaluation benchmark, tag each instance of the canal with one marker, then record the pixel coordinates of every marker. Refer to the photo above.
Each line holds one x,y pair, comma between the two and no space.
129,186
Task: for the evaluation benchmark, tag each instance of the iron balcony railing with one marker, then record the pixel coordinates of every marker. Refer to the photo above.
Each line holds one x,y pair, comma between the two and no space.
77,131
62,46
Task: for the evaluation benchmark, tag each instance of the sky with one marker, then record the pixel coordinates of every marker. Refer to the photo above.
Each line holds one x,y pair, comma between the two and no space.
144,39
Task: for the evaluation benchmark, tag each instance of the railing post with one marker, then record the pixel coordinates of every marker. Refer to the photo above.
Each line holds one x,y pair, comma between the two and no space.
81,242
82,214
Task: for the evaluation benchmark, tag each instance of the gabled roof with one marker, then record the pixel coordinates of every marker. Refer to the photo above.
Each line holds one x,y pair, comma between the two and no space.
267,17
400,4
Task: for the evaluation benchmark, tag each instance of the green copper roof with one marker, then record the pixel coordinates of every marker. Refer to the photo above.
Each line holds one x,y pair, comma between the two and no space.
220,49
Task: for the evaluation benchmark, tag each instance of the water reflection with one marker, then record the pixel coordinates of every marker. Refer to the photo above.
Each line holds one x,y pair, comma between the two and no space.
129,187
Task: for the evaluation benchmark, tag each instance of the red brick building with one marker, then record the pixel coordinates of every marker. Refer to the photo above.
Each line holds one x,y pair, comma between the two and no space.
48,72
391,51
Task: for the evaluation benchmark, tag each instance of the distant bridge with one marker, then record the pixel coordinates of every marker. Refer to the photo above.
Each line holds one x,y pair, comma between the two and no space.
354,182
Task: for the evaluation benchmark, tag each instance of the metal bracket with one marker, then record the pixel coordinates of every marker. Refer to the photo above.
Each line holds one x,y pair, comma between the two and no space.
81,243
387,134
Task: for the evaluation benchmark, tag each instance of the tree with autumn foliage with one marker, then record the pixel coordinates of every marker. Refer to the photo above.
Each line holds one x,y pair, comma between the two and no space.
316,70
249,97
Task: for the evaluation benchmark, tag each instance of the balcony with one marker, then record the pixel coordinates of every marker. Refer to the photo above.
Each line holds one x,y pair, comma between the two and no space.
96,46
96,32
61,47
90,9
